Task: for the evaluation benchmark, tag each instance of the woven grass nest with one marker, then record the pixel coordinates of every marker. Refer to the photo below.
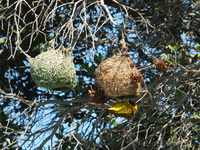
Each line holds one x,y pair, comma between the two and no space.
54,69
116,76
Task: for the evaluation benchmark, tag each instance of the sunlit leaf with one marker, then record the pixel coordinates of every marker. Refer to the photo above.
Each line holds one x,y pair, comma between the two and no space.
114,122
170,47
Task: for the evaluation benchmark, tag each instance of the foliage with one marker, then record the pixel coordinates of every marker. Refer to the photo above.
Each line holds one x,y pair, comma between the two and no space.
32,117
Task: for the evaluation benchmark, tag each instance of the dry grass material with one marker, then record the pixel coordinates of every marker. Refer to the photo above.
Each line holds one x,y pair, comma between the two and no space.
54,70
114,76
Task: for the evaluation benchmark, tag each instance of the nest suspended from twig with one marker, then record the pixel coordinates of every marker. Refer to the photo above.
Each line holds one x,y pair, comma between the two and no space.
54,69
115,76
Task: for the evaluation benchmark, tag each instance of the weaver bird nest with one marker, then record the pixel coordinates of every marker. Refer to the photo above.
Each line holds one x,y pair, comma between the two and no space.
115,76
54,69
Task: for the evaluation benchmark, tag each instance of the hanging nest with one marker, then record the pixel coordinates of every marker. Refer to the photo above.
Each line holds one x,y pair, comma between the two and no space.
118,76
54,69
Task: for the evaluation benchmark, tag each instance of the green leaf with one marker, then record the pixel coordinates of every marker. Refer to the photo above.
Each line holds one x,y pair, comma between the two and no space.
170,47
180,56
98,58
64,146
198,47
91,70
59,136
104,131
169,57
61,128
2,40
115,123
85,66
176,47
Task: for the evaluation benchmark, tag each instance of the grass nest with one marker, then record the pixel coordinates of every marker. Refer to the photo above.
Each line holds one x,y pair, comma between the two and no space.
118,76
54,69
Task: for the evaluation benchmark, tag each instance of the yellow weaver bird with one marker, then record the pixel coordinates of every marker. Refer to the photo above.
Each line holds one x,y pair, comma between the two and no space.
124,109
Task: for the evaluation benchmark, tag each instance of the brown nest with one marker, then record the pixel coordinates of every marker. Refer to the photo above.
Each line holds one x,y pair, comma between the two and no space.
115,76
